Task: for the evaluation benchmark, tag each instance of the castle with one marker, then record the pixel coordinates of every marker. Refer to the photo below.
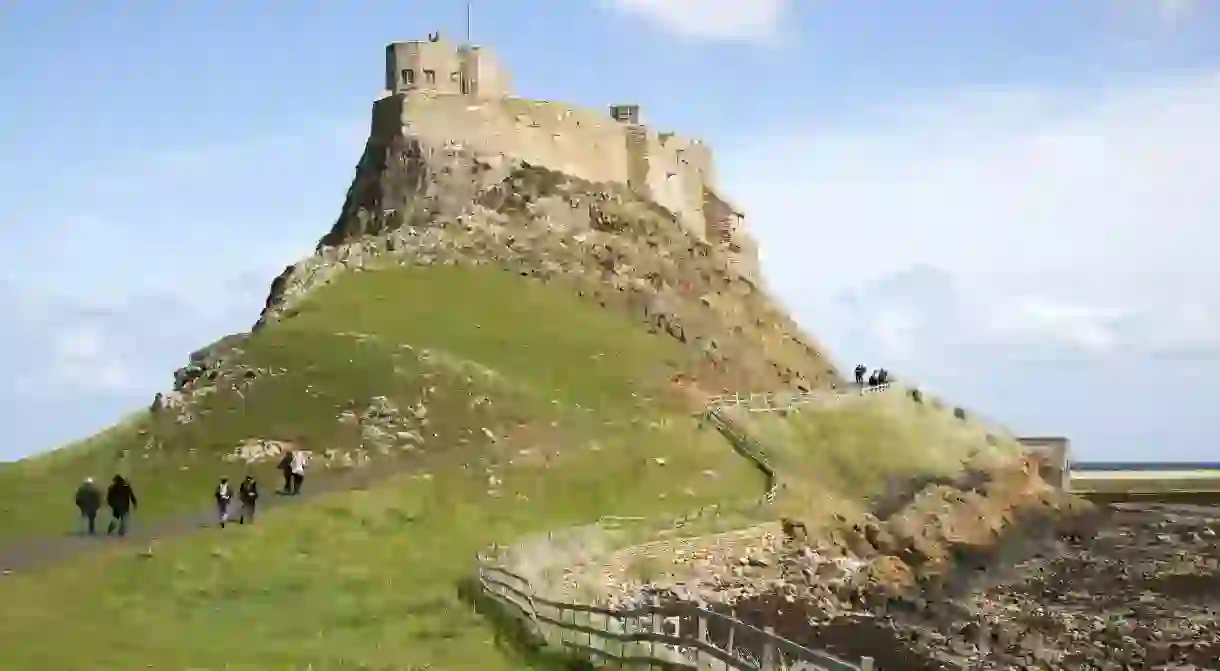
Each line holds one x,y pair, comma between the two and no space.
460,94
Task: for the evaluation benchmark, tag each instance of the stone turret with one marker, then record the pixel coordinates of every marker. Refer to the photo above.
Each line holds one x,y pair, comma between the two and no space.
440,66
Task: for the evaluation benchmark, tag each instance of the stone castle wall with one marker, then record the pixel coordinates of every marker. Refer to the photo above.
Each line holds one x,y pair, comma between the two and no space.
466,103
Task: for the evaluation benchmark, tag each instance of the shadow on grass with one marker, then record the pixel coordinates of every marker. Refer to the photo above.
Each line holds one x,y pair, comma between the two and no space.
515,635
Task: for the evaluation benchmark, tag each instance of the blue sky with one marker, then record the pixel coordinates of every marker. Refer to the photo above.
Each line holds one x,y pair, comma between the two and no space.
1011,202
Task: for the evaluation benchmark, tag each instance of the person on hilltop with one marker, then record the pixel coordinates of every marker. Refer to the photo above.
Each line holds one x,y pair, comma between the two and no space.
872,379
860,371
122,500
89,501
224,496
248,493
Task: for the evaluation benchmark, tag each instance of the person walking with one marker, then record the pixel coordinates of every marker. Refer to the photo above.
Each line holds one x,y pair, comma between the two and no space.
89,501
285,467
297,467
248,493
860,371
122,500
224,496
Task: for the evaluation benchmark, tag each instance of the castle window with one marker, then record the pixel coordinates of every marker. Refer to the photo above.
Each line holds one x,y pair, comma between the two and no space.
430,76
408,76
453,76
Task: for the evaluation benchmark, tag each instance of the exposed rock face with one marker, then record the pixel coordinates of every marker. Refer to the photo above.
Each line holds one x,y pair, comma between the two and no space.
419,202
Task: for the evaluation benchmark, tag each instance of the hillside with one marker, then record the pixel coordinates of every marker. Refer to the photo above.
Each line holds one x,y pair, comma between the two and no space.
479,349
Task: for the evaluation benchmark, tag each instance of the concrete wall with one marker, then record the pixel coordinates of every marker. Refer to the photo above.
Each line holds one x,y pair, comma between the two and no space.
1055,454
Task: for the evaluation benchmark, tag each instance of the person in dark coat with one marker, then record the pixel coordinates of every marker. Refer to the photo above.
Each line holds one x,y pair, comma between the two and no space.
89,501
285,467
248,492
224,496
872,379
860,371
122,500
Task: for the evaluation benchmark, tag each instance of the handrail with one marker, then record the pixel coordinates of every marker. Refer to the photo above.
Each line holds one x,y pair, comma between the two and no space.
647,625
675,649
775,401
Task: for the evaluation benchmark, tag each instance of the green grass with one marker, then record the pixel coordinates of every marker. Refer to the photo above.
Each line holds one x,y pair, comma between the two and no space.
852,450
366,579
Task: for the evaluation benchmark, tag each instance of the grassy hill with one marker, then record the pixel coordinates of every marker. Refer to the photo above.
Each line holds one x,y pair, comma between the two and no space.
847,455
577,410
461,377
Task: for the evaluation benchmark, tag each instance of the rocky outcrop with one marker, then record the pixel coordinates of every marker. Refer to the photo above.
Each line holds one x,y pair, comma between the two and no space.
418,204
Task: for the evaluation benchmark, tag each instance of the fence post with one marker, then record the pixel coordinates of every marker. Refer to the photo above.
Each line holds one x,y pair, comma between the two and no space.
702,637
866,664
729,647
656,629
768,654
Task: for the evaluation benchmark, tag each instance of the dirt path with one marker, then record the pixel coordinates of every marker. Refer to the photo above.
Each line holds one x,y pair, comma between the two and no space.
32,554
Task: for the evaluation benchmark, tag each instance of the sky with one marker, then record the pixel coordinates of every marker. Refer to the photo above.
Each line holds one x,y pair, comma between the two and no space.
1010,203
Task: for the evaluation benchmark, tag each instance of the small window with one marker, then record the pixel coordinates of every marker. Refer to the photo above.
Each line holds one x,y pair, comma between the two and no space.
430,76
453,76
408,76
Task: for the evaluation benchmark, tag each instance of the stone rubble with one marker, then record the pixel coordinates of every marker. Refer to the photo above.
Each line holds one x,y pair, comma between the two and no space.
1134,588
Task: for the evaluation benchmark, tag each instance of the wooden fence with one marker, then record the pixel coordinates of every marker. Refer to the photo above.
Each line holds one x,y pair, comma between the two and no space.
776,401
666,636
672,635
744,446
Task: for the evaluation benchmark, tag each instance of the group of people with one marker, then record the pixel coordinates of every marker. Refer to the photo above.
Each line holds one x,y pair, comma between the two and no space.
879,376
247,493
121,497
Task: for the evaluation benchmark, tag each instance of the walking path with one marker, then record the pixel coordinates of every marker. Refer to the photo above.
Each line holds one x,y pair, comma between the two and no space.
29,554
34,553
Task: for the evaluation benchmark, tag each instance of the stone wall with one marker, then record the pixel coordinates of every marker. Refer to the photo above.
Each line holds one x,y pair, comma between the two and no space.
442,67
451,95
1054,456
679,172
583,143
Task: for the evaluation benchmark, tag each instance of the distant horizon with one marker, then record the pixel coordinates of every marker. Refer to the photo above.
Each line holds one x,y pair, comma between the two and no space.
1143,465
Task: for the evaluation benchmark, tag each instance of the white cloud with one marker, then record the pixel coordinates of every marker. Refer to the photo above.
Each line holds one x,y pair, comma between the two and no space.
83,361
132,265
721,20
1080,218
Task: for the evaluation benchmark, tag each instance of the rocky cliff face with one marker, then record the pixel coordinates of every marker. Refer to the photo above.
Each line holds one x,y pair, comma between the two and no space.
417,202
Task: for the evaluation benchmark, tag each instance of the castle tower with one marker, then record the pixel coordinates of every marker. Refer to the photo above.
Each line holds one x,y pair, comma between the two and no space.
437,65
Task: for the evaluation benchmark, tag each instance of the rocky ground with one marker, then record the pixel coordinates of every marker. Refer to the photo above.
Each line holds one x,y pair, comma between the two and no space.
1140,592
995,570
